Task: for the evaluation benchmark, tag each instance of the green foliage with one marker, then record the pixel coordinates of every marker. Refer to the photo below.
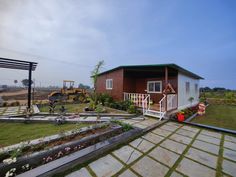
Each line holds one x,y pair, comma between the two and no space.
132,109
25,82
99,109
230,95
105,99
125,127
96,71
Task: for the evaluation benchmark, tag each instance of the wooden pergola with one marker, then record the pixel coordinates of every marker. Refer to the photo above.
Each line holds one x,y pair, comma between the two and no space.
20,65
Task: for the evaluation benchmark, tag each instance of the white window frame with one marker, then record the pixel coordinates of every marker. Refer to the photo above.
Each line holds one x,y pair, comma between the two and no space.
109,84
149,82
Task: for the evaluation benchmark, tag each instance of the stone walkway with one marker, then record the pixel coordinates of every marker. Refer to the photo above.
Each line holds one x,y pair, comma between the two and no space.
15,110
171,150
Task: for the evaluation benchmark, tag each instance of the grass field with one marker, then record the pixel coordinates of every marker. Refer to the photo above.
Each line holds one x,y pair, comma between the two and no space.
76,108
12,133
223,116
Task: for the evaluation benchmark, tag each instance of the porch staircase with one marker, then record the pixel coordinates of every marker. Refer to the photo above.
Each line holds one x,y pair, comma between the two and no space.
148,111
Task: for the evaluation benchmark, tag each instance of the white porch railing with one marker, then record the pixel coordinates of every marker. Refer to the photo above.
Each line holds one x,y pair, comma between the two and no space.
146,104
162,104
172,101
136,98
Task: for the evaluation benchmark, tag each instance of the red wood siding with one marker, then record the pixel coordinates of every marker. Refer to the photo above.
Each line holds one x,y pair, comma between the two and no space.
136,85
132,84
117,77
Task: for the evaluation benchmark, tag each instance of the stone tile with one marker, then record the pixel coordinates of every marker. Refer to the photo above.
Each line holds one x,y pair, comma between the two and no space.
149,122
174,146
161,132
229,154
140,125
106,166
83,172
211,133
206,147
229,167
149,168
202,157
153,138
169,128
194,169
91,118
127,154
173,124
165,156
196,130
180,138
142,144
230,145
230,138
175,174
208,139
186,133
128,173
129,121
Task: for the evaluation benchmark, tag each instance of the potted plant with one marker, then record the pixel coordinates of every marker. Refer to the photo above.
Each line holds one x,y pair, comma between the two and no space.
180,116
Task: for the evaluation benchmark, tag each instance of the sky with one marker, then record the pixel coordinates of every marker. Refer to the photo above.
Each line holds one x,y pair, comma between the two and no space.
68,37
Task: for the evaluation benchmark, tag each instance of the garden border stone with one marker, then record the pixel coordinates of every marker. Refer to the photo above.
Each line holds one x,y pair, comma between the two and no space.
89,153
37,157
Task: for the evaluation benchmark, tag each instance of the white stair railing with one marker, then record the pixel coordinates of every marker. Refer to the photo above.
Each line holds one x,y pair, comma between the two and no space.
162,104
146,104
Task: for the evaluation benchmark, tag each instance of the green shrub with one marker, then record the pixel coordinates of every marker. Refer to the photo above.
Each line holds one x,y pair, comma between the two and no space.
132,109
105,99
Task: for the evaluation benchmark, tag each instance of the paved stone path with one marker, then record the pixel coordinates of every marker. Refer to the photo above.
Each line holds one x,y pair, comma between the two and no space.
171,150
15,110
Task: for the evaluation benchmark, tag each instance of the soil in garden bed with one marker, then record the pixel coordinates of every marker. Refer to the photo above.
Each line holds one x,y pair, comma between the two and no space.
62,140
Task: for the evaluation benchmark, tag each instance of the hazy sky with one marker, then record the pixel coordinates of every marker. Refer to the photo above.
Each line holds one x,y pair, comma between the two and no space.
68,37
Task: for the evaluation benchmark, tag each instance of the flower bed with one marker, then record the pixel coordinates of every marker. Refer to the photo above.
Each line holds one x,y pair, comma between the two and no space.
185,113
23,159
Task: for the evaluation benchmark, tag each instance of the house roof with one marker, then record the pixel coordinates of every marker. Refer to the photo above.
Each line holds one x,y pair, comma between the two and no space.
171,65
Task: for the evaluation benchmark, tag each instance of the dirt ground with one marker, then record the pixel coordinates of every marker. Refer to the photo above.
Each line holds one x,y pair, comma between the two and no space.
21,95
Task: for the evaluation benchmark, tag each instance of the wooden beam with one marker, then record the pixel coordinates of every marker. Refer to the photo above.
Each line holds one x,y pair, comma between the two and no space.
166,77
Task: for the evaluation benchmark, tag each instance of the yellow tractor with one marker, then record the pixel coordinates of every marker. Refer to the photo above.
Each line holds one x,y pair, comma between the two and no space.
68,93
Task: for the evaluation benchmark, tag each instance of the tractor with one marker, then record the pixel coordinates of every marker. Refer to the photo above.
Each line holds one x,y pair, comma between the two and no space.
68,93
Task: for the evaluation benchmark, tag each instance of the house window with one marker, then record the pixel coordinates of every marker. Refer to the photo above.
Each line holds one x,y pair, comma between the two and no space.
109,84
187,85
196,88
154,86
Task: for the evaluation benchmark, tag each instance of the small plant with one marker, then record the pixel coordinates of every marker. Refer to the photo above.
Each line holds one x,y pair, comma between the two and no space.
191,99
125,127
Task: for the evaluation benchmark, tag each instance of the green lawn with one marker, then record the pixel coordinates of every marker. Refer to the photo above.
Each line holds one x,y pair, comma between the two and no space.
12,133
76,108
223,116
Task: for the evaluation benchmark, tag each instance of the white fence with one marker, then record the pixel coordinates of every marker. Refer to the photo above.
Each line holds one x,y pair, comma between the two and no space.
136,98
172,101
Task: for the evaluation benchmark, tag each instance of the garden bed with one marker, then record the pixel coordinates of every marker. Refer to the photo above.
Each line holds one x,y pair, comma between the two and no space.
30,157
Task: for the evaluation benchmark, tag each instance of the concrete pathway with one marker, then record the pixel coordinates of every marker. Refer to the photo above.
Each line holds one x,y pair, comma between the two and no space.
171,150
16,110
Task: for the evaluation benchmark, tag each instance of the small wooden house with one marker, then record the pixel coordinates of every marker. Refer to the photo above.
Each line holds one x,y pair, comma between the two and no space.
158,89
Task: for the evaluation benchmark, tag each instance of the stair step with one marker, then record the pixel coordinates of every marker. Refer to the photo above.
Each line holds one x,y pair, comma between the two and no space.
153,113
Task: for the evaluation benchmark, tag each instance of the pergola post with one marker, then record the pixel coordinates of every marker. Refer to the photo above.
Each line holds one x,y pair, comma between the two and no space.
29,86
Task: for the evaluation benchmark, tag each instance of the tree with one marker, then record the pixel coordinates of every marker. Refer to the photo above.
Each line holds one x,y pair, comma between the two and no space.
95,73
94,96
82,86
25,82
